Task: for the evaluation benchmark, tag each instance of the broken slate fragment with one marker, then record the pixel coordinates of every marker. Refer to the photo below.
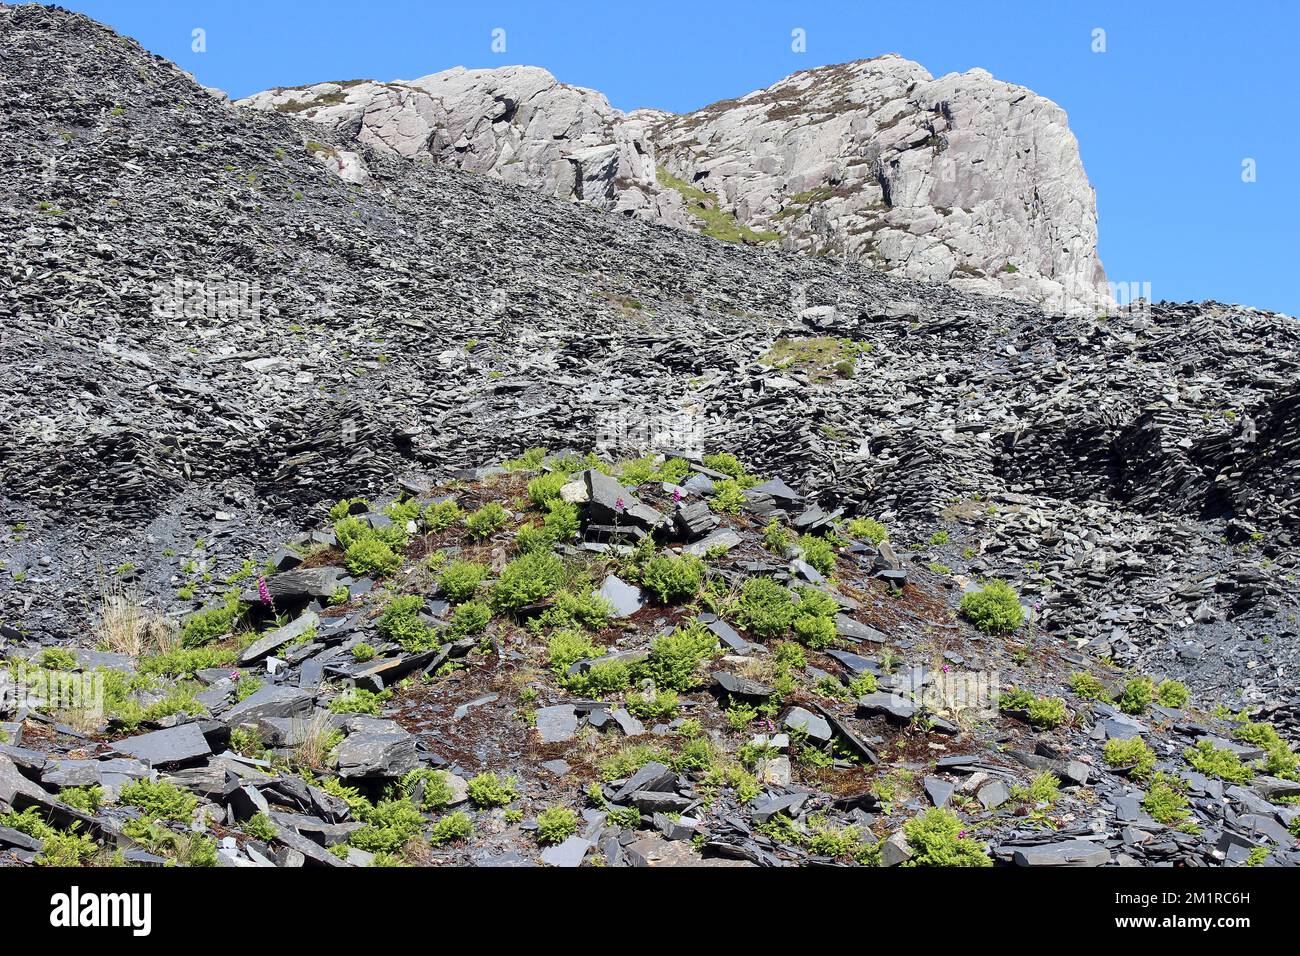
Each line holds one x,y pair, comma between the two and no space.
626,598
167,748
556,723
817,728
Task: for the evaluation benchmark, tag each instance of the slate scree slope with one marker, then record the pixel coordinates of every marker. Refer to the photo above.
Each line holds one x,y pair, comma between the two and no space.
218,319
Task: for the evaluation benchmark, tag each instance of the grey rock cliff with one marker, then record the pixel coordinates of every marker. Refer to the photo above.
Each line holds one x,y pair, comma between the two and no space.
964,179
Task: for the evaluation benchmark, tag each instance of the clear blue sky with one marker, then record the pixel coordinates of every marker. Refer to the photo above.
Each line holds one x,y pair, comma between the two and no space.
1165,117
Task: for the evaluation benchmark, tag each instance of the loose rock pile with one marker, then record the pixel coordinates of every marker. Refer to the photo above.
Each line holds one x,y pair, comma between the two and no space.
209,338
516,690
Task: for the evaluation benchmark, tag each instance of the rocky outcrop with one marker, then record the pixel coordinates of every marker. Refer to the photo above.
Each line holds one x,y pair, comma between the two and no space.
963,179
517,124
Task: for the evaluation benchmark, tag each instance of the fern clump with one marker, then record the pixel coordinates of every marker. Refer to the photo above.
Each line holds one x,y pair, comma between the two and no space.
995,609
526,580
672,579
556,824
460,579
486,521
1133,754
675,658
937,838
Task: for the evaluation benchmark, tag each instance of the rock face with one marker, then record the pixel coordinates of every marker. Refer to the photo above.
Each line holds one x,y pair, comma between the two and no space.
962,178
518,124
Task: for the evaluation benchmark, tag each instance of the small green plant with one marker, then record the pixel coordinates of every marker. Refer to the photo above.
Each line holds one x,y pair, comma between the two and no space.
470,618
435,792
1046,712
1138,693
728,497
1173,694
995,609
556,824
765,609
461,579
1133,754
400,622
158,801
818,552
1087,686
369,556
389,824
358,700
672,579
1165,802
363,652
866,529
441,515
776,537
204,627
675,658
451,828
260,827
1044,790
937,838
527,580
657,706
488,790
939,538
1217,762
86,799
486,521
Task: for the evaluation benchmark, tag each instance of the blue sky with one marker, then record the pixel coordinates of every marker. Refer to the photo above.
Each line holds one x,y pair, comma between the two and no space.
1183,94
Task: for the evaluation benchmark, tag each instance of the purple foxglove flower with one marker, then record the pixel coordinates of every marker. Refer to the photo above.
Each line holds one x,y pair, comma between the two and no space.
620,504
263,591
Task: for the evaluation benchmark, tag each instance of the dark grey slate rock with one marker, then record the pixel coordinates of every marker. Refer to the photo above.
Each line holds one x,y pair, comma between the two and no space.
279,638
167,748
1067,853
556,723
626,598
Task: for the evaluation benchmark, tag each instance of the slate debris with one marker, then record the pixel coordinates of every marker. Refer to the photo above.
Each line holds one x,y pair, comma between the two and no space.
1092,464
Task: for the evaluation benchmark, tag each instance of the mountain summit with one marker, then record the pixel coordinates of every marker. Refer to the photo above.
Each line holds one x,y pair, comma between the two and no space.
964,178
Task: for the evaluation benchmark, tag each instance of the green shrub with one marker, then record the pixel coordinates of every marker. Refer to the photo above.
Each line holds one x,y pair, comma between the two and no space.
816,632
470,618
204,627
1280,760
866,529
488,790
1132,753
673,579
995,609
57,658
765,609
1164,801
730,465
675,658
184,662
371,557
572,609
389,825
486,521
441,515
158,801
437,791
776,537
400,622
363,653
1087,686
460,579
546,488
346,507
358,700
260,827
1047,712
451,828
656,706
567,647
1174,694
86,799
1138,693
601,679
728,497
556,824
526,580
935,839
1217,762
819,553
